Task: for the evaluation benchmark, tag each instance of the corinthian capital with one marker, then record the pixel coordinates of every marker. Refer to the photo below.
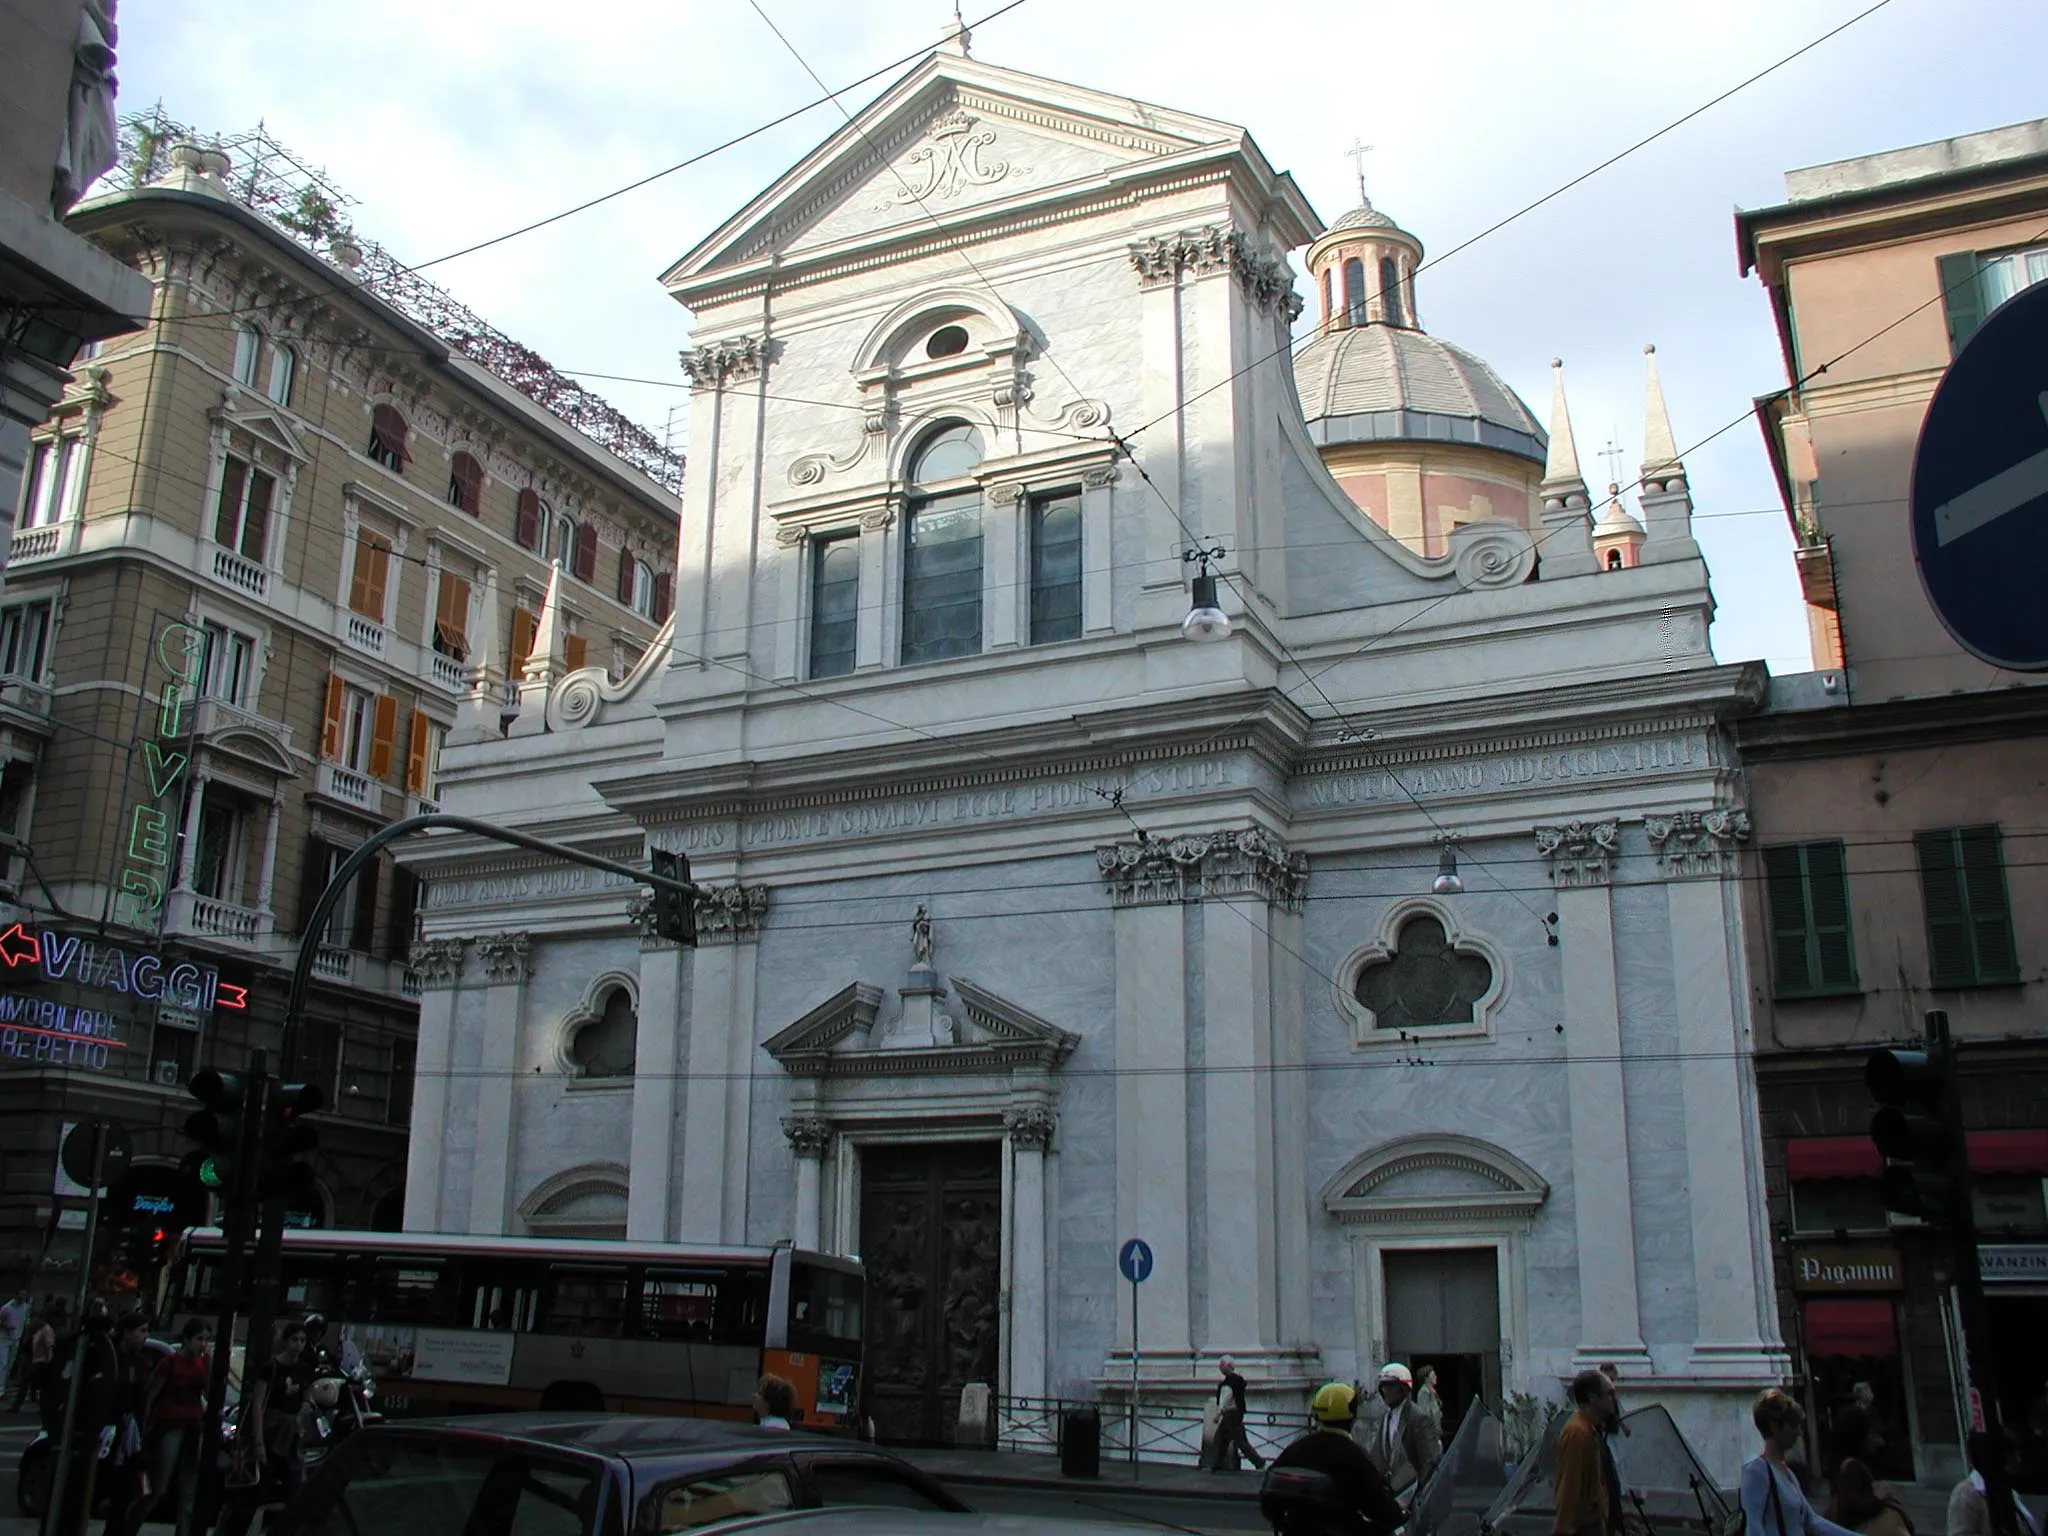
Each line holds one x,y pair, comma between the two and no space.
808,1136
506,958
1691,843
1248,862
438,962
730,360
1580,852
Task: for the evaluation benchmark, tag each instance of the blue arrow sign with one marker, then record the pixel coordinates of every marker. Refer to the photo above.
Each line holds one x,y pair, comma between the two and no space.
1135,1260
1980,488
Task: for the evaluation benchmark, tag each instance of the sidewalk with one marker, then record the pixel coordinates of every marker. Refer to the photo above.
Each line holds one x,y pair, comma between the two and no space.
1017,1469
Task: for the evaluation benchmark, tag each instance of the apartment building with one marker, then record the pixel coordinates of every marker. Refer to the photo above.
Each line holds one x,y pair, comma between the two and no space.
266,548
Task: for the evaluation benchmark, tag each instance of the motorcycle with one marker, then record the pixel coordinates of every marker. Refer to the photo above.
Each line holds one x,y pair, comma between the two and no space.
337,1404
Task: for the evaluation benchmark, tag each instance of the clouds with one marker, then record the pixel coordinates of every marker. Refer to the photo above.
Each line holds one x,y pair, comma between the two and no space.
454,120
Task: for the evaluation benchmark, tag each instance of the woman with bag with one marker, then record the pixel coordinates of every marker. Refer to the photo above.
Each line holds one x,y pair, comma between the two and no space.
1772,1501
267,1466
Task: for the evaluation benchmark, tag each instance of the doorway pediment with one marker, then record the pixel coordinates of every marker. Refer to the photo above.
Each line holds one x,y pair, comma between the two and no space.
1435,1178
841,1037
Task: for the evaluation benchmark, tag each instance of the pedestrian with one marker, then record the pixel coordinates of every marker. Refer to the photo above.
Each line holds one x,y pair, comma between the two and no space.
13,1325
1395,1433
1584,1497
1853,1431
267,1432
91,1353
1773,1504
174,1408
774,1402
1859,1502
1231,1442
42,1352
122,1468
1969,1514
1355,1501
1428,1401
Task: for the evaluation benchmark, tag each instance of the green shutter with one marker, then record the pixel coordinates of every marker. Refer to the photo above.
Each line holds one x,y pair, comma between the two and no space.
1790,945
1962,297
1983,861
1950,956
1827,894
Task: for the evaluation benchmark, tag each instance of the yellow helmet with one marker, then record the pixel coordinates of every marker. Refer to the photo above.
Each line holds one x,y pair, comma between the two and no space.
1335,1403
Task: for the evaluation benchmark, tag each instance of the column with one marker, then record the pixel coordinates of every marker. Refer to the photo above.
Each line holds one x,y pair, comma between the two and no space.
1237,1187
717,1092
506,968
655,1062
1030,1129
266,879
808,1138
1610,1314
438,963
1152,1114
1162,449
1698,853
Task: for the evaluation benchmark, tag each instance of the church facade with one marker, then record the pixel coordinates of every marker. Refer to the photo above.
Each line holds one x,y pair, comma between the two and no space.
1374,962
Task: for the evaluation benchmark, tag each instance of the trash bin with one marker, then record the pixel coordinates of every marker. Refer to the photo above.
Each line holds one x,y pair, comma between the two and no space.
1080,1443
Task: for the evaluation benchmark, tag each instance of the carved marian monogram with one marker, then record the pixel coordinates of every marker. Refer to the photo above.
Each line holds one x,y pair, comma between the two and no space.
948,165
1697,842
1267,282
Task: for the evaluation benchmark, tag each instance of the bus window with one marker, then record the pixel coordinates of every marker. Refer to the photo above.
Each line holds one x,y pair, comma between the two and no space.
312,1282
587,1301
411,1291
679,1303
500,1296
824,1308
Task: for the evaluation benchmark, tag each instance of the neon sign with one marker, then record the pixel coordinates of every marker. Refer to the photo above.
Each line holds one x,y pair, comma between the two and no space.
37,1029
67,957
151,835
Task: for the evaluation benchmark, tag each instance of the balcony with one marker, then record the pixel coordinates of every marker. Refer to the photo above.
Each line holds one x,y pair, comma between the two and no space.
35,543
249,577
333,963
365,635
450,674
192,915
348,786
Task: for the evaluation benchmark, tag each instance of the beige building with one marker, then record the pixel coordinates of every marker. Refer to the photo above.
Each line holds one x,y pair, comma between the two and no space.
267,548
1896,792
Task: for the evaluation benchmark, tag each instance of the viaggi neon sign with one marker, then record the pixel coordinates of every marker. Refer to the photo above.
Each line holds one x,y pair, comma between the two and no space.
110,968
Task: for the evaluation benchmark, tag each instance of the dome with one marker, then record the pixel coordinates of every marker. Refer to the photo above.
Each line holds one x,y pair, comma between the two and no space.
1364,217
1381,383
1615,518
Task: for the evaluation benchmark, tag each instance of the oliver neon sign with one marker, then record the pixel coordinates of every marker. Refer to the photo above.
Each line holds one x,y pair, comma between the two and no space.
147,856
67,957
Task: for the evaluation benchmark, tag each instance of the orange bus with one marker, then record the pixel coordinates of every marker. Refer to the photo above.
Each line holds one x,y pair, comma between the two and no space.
461,1324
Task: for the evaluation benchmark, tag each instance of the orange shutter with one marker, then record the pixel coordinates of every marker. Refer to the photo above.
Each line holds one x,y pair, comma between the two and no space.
451,616
366,585
383,735
330,721
416,754
522,641
574,649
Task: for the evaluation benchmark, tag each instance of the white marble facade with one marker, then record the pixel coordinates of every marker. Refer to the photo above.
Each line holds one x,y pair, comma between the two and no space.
1154,869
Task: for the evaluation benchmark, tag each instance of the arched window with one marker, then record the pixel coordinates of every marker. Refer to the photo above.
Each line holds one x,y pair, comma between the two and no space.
466,484
248,343
1329,294
1354,291
530,521
283,365
606,1046
388,438
643,589
942,548
563,548
1614,560
1390,291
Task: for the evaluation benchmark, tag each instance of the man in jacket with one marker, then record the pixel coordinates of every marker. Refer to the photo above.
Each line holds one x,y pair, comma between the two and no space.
1586,1491
1395,1433
1346,1495
1230,1441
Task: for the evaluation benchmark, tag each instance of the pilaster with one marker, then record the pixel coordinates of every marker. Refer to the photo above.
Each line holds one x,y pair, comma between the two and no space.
808,1137
438,963
656,1061
1030,1129
1152,1115
718,1092
507,967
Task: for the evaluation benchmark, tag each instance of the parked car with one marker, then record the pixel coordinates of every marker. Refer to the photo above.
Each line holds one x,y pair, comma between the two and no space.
589,1475
848,1520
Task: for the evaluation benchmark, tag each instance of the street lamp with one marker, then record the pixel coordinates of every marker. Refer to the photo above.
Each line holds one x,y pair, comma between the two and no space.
1447,882
1206,619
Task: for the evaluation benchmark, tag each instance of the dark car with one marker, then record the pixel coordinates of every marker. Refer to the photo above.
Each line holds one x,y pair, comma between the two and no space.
541,1474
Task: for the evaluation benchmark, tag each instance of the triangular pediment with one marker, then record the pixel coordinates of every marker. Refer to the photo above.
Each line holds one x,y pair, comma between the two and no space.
983,1032
954,134
268,427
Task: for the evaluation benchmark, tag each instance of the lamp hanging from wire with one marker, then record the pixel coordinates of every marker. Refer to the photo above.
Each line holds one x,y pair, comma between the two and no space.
1447,882
1206,619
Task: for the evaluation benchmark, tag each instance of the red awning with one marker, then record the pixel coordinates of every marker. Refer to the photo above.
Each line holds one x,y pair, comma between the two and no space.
1832,1157
1850,1329
2009,1151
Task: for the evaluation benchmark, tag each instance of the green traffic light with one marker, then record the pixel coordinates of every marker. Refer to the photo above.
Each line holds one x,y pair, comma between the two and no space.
212,1174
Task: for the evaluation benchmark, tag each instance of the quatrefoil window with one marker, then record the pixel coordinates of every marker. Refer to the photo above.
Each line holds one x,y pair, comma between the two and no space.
1426,982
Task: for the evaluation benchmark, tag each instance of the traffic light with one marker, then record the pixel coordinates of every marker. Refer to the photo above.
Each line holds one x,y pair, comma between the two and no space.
1913,1129
214,1163
675,912
289,1139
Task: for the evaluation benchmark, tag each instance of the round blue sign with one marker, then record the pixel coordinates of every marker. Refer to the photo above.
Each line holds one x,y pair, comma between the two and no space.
1980,489
1135,1260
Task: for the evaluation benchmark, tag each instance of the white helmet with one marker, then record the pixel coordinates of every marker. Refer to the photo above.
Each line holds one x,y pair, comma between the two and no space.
1394,1370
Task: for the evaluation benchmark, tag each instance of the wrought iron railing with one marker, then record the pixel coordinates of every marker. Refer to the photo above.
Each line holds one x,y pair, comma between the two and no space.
1165,1432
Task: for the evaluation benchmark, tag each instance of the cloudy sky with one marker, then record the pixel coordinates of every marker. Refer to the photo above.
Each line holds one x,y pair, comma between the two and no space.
455,120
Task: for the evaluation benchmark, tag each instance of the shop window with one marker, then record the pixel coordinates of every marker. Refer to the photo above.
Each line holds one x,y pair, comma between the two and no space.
2009,1204
1812,952
1837,1205
1055,534
1969,918
835,594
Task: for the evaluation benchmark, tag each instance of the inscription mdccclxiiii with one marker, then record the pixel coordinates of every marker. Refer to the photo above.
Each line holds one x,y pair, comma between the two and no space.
1481,775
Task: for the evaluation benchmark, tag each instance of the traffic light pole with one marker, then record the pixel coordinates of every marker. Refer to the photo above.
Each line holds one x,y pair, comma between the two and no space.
1982,1387
674,892
235,1230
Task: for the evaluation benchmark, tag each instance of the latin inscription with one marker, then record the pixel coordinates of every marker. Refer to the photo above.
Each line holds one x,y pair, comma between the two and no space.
1483,775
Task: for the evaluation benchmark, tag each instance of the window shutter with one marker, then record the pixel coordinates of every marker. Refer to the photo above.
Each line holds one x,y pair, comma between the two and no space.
575,650
330,721
1962,297
1983,860
526,525
416,754
234,477
391,432
383,735
1948,927
312,880
664,596
466,477
365,935
372,570
522,642
585,566
451,616
1827,895
1785,885
625,578
256,526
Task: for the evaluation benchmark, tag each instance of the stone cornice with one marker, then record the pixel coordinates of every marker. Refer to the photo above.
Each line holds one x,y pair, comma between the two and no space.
1989,714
